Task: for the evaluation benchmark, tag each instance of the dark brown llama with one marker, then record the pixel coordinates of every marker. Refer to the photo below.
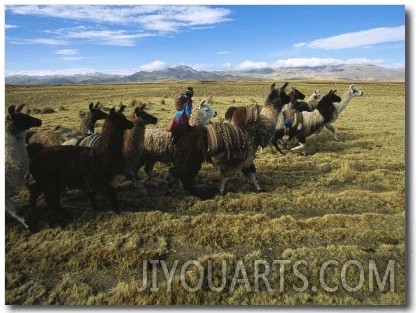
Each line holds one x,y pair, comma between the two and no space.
133,145
89,169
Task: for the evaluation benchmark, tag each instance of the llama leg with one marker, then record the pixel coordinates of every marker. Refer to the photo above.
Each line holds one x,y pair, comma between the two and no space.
222,186
300,146
250,172
148,169
109,191
58,215
302,142
13,209
91,194
136,182
35,214
332,129
277,136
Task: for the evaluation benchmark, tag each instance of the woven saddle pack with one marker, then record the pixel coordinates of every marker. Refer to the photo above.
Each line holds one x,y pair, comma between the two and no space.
89,141
225,141
293,121
252,111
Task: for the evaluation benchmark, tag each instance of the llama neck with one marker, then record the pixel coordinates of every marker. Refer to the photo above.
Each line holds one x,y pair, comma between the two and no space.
134,137
194,118
16,158
110,145
269,112
87,125
15,140
348,95
267,123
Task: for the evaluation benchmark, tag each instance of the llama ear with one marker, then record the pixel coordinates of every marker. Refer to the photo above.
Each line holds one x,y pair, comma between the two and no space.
272,86
284,86
12,110
202,103
97,104
20,107
121,109
142,107
91,106
112,111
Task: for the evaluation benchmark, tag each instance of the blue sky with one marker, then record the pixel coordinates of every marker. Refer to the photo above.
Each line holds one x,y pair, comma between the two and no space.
60,39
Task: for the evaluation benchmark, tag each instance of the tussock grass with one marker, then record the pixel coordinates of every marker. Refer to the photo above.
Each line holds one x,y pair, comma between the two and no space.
343,202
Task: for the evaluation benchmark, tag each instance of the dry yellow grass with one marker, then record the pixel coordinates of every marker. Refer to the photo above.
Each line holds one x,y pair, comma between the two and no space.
337,214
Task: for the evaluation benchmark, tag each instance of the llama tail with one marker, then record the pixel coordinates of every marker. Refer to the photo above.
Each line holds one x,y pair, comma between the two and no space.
229,113
33,149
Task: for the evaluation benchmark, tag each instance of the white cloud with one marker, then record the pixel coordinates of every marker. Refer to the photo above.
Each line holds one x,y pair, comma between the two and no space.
251,65
164,18
154,66
8,26
70,71
312,62
102,36
224,52
296,62
357,39
70,58
42,41
67,52
300,44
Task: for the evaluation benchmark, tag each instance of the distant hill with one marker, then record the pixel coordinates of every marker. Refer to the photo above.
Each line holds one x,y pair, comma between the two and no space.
182,72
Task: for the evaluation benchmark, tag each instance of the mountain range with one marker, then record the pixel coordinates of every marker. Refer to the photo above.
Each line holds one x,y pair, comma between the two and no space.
182,73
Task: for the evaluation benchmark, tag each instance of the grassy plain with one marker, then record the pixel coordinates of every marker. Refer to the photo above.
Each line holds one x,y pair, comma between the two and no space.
334,220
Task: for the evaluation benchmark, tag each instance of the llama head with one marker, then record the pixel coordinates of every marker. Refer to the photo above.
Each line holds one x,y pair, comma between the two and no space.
295,94
118,119
145,117
277,98
205,112
96,113
316,95
332,96
22,121
355,92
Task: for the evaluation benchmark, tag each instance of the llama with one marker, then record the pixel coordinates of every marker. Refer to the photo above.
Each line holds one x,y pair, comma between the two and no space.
59,135
243,115
227,146
303,124
87,126
88,169
133,146
349,94
158,145
16,156
309,105
295,95
248,114
313,100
